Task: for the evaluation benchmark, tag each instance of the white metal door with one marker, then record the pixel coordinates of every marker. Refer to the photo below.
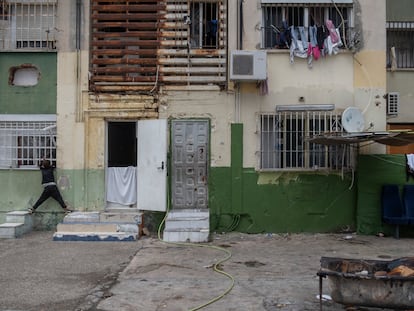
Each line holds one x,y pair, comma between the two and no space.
152,165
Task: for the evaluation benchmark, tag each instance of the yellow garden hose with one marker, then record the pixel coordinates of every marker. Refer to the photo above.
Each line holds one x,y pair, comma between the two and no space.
215,266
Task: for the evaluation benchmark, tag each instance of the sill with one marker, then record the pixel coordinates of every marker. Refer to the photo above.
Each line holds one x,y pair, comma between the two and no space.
400,70
21,168
287,51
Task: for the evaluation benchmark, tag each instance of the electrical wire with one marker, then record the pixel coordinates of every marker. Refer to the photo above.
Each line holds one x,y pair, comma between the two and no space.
216,266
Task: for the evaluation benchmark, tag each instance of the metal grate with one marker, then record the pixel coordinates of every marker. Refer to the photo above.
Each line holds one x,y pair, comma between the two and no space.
28,24
284,144
393,103
400,45
23,144
278,18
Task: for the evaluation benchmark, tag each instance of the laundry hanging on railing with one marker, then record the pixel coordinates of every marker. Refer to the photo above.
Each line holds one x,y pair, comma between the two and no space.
323,41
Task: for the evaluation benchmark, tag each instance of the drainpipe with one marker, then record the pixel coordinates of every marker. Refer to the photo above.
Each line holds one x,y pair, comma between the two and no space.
239,47
78,90
78,60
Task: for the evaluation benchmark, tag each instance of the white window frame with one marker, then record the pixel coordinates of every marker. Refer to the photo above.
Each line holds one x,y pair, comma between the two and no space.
28,24
284,143
26,139
285,5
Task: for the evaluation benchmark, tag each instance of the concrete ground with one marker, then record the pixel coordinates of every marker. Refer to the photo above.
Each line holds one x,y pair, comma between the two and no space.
271,272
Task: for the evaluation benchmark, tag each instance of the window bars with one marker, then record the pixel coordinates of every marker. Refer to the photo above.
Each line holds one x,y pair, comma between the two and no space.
23,144
400,45
277,18
284,144
28,24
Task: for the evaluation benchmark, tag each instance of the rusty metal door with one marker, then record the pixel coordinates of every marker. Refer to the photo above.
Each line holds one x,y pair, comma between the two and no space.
189,174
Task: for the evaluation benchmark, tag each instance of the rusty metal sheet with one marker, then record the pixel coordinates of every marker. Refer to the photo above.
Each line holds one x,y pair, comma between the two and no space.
147,42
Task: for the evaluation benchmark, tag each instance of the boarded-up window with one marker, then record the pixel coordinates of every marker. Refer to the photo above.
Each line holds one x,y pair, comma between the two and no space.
125,40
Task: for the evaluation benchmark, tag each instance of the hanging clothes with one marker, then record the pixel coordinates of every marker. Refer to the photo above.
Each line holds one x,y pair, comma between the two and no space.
122,185
409,165
313,43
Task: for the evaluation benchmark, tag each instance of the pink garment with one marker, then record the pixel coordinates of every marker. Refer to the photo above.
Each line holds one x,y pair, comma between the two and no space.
332,31
316,52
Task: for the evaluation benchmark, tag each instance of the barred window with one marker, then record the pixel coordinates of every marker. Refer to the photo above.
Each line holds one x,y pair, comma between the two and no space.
28,24
24,143
204,23
284,144
279,16
400,45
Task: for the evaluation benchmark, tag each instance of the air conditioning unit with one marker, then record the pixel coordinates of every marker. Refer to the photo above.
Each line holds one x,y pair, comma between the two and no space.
248,65
393,103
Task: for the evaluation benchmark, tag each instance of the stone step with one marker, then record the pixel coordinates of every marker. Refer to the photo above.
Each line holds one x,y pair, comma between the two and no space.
82,217
97,227
186,223
121,217
95,236
86,227
11,230
180,236
188,213
19,216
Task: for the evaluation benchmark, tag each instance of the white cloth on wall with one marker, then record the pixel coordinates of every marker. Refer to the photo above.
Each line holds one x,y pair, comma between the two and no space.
122,185
410,160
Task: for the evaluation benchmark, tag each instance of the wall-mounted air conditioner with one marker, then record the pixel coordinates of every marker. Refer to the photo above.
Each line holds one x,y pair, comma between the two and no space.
393,103
248,65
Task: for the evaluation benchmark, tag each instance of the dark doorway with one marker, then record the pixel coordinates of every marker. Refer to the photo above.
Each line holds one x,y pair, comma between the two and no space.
122,144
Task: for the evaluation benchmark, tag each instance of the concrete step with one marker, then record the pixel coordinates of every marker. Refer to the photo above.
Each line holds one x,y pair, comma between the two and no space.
186,223
187,226
17,223
94,236
86,227
121,217
181,236
99,226
82,217
11,230
188,213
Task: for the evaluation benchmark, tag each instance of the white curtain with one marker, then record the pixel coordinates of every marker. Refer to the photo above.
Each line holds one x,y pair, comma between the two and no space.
122,185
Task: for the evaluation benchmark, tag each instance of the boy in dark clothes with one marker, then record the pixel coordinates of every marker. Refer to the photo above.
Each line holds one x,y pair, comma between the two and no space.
50,188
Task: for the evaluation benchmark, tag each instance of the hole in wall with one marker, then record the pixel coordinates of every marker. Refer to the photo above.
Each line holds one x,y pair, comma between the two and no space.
24,75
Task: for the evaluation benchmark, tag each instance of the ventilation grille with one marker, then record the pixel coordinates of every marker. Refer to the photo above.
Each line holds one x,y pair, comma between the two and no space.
393,103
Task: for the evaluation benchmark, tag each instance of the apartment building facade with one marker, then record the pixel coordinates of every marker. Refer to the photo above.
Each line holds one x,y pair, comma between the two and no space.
194,105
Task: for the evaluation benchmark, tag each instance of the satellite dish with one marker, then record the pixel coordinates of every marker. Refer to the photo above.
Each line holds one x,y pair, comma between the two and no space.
352,120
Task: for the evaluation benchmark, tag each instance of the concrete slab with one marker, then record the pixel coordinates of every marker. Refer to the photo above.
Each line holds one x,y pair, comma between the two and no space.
94,236
11,230
81,217
90,227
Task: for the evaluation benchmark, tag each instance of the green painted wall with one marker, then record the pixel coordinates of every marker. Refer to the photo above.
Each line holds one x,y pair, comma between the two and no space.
245,200
287,202
84,190
38,99
373,172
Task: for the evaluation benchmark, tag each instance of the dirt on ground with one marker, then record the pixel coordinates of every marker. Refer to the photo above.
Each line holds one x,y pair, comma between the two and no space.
269,272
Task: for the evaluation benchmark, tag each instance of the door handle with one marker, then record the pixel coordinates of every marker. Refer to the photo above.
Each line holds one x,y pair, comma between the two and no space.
162,166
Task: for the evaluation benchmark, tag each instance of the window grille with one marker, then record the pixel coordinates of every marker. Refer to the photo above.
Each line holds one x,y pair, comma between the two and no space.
28,24
284,143
400,45
203,24
278,17
24,143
